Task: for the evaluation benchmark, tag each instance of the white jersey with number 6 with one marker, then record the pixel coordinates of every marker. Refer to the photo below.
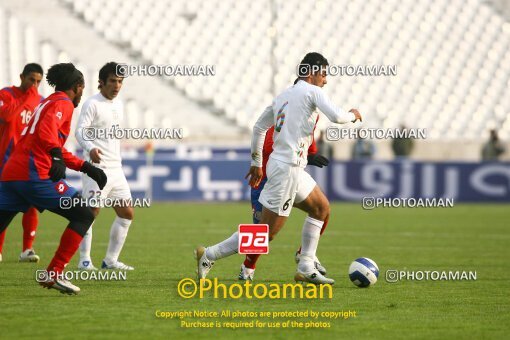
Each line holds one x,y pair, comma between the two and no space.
293,114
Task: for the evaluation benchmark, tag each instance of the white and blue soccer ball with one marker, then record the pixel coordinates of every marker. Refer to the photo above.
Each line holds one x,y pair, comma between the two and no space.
363,272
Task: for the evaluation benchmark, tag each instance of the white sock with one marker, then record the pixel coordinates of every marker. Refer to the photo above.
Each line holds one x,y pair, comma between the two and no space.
118,234
224,248
86,245
309,243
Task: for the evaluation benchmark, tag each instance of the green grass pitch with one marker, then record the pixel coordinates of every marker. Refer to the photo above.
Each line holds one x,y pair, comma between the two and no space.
162,238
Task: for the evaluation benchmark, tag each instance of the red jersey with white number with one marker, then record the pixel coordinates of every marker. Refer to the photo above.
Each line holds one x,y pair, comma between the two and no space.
16,108
48,129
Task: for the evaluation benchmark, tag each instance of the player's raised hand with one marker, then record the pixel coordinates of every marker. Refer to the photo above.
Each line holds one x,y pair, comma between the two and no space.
95,173
94,155
356,114
254,176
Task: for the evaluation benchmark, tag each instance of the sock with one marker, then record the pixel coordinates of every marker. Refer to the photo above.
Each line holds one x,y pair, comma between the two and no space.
69,243
322,230
86,245
224,248
118,234
251,260
29,222
309,243
2,239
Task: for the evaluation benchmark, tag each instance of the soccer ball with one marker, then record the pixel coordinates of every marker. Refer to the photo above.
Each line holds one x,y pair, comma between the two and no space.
363,272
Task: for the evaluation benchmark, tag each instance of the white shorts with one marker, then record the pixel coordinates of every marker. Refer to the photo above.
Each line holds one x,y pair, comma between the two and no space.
286,184
116,186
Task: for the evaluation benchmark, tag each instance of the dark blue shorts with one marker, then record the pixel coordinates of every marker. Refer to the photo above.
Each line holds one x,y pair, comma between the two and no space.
20,195
256,206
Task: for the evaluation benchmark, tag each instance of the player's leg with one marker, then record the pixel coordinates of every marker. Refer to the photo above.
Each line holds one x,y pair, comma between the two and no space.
80,219
207,256
47,195
2,240
317,206
118,234
10,204
247,271
125,213
277,198
29,222
317,262
5,219
85,260
90,192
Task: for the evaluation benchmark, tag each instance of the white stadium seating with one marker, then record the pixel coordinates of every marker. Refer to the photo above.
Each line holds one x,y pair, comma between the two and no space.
452,57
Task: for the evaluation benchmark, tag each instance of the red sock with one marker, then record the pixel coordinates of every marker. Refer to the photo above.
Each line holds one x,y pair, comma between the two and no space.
251,260
2,238
30,221
325,225
322,230
69,243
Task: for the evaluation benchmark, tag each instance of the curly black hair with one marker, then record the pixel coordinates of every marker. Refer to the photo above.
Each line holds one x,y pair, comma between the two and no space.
64,76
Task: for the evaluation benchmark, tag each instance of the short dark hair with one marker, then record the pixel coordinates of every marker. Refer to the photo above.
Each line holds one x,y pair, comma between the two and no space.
311,62
32,67
64,76
314,58
107,70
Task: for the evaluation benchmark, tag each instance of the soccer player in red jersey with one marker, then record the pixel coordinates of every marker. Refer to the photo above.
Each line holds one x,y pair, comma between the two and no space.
248,267
16,107
34,173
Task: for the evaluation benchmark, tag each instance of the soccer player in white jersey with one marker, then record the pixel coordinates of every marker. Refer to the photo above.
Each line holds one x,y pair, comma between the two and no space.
293,113
104,112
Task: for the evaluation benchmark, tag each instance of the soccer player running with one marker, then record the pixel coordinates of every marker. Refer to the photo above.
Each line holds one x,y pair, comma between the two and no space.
248,267
17,103
293,114
104,111
34,173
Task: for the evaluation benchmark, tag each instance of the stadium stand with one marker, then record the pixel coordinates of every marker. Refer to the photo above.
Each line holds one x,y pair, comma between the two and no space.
24,37
453,67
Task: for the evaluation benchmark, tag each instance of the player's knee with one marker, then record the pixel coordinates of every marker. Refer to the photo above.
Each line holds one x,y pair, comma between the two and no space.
321,210
81,219
95,211
128,214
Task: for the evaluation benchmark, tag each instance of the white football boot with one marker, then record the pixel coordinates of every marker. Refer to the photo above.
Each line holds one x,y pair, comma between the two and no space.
63,286
28,255
116,266
317,263
314,277
204,265
246,274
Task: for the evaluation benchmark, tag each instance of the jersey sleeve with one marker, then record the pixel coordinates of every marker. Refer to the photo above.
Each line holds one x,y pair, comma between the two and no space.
334,113
72,162
87,115
264,123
